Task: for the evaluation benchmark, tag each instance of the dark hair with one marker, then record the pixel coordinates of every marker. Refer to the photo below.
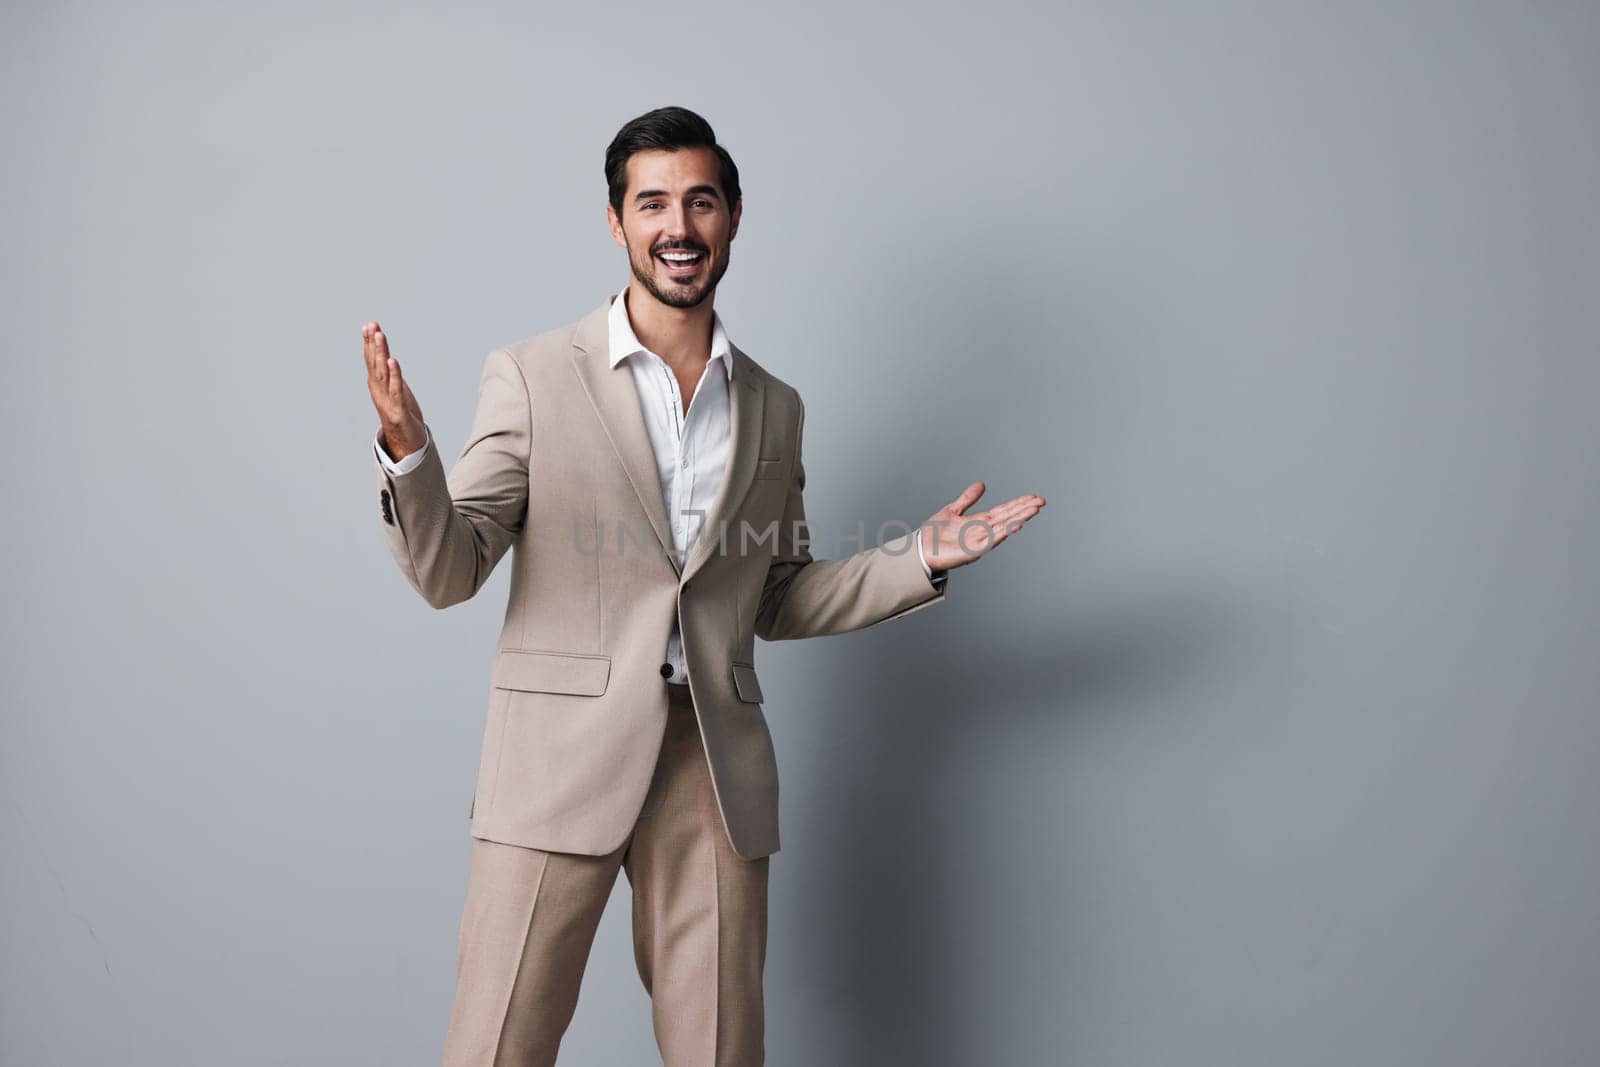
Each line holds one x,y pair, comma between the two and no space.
670,128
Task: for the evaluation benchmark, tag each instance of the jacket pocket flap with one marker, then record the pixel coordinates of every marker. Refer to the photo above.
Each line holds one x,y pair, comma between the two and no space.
769,468
531,671
744,680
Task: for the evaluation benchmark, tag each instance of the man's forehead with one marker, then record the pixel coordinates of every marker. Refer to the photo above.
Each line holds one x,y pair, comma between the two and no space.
672,167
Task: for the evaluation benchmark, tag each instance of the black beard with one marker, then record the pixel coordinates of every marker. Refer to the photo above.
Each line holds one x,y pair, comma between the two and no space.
677,297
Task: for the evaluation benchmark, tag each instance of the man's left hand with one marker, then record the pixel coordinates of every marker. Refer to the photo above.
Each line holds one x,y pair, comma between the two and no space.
952,538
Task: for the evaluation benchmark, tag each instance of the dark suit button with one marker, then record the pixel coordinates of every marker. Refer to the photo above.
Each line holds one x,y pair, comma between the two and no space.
388,516
666,670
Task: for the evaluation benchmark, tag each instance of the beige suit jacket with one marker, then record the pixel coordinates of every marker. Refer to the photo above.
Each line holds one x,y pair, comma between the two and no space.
558,468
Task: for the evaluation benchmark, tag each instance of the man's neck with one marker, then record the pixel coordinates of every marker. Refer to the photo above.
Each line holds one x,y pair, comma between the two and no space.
680,336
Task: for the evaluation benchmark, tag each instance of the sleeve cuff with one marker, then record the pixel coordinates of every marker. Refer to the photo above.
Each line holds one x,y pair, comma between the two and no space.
410,463
936,579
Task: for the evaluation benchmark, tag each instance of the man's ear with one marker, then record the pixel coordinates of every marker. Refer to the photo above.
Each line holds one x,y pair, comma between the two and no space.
733,226
616,225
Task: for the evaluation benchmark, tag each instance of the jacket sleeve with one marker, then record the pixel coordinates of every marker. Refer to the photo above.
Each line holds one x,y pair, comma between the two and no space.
806,597
447,532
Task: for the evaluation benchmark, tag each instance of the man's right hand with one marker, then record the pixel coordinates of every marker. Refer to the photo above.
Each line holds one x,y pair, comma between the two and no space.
398,412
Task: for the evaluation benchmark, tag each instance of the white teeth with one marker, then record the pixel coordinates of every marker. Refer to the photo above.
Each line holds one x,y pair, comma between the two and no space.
680,257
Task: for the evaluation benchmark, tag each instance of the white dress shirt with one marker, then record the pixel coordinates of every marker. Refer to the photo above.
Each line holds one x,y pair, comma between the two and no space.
691,447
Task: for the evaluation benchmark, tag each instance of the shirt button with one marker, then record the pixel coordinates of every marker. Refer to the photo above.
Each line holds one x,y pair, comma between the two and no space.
666,670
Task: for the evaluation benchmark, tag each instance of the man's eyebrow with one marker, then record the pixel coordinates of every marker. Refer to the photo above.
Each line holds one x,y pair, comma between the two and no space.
701,190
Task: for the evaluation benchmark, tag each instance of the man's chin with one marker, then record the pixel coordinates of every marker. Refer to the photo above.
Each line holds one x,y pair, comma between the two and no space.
684,296
679,294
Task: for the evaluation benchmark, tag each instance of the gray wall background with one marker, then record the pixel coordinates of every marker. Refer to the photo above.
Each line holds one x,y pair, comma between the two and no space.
1269,742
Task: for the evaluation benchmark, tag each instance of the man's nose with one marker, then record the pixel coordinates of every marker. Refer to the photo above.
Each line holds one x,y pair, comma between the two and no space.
677,221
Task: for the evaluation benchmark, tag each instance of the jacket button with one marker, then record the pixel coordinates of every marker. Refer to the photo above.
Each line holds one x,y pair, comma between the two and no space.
666,670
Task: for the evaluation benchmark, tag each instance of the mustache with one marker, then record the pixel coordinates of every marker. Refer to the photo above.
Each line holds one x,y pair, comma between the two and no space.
680,246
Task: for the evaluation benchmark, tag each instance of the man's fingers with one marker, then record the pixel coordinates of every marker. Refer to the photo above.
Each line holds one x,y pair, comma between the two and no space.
1001,512
411,400
999,522
1014,517
1027,505
969,496
377,375
388,367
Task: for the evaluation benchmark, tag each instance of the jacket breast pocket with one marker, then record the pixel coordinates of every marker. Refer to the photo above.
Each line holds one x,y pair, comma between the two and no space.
534,671
770,468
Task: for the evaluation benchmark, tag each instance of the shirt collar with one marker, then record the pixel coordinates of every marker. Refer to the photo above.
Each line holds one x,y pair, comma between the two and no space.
624,342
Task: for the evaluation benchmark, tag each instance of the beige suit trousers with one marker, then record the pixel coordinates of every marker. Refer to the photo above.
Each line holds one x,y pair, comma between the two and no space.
699,928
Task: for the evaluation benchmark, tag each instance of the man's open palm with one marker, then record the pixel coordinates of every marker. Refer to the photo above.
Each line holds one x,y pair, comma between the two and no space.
398,410
952,538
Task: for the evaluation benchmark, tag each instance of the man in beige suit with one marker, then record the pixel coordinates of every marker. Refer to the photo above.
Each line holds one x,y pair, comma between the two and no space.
646,475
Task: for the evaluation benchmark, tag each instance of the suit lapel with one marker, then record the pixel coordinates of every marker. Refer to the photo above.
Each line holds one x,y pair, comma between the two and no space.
616,402
747,408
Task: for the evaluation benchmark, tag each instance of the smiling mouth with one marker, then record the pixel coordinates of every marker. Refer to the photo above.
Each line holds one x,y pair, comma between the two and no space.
681,264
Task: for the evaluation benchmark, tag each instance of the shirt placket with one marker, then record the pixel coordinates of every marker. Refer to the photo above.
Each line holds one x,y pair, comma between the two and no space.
682,480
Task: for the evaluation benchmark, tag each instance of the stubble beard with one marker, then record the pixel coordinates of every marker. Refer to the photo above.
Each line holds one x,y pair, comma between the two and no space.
679,296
